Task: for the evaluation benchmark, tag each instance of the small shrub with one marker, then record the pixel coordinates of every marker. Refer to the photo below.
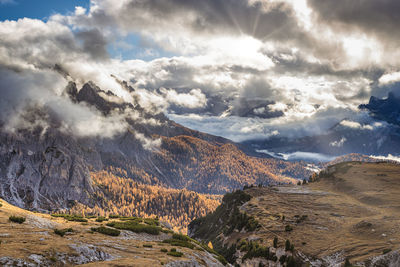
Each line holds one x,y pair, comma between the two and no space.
282,259
134,226
59,215
62,232
90,216
17,219
69,217
302,218
347,263
208,249
106,231
386,250
76,219
113,216
275,242
147,245
288,228
101,219
153,222
180,241
175,254
222,260
287,245
180,237
255,250
291,262
134,219
164,250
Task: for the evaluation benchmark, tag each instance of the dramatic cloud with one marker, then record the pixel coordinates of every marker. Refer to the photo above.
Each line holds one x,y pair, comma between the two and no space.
368,16
238,68
35,99
194,99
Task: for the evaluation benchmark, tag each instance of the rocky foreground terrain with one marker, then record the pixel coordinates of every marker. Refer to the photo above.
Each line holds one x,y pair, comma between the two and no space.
348,215
45,240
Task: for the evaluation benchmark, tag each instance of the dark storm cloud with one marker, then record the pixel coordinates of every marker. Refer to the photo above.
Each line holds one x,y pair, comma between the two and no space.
94,43
378,17
255,108
268,62
261,20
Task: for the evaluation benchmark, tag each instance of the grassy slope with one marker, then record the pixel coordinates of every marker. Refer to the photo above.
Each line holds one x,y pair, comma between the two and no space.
355,210
36,236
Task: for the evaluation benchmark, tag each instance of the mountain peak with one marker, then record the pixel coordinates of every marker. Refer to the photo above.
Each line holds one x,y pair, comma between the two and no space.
92,94
387,109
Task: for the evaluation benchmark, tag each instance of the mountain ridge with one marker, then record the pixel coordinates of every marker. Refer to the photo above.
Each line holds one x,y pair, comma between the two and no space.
49,168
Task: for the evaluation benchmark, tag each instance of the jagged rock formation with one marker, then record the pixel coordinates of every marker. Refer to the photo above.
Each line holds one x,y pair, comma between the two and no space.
384,109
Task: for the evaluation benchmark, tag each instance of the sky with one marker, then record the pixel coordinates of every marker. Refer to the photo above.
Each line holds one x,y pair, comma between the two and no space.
41,9
242,69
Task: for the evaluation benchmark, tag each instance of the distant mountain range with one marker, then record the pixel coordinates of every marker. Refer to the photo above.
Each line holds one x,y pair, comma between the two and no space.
376,134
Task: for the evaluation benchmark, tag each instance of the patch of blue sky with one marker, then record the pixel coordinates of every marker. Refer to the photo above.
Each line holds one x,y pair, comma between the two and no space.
134,46
37,9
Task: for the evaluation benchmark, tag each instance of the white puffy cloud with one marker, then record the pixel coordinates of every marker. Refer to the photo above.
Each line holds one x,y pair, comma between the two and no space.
357,125
194,99
389,78
338,143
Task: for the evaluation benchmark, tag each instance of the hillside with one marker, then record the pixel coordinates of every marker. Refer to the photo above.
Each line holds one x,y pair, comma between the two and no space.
44,240
117,195
47,167
350,211
351,157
